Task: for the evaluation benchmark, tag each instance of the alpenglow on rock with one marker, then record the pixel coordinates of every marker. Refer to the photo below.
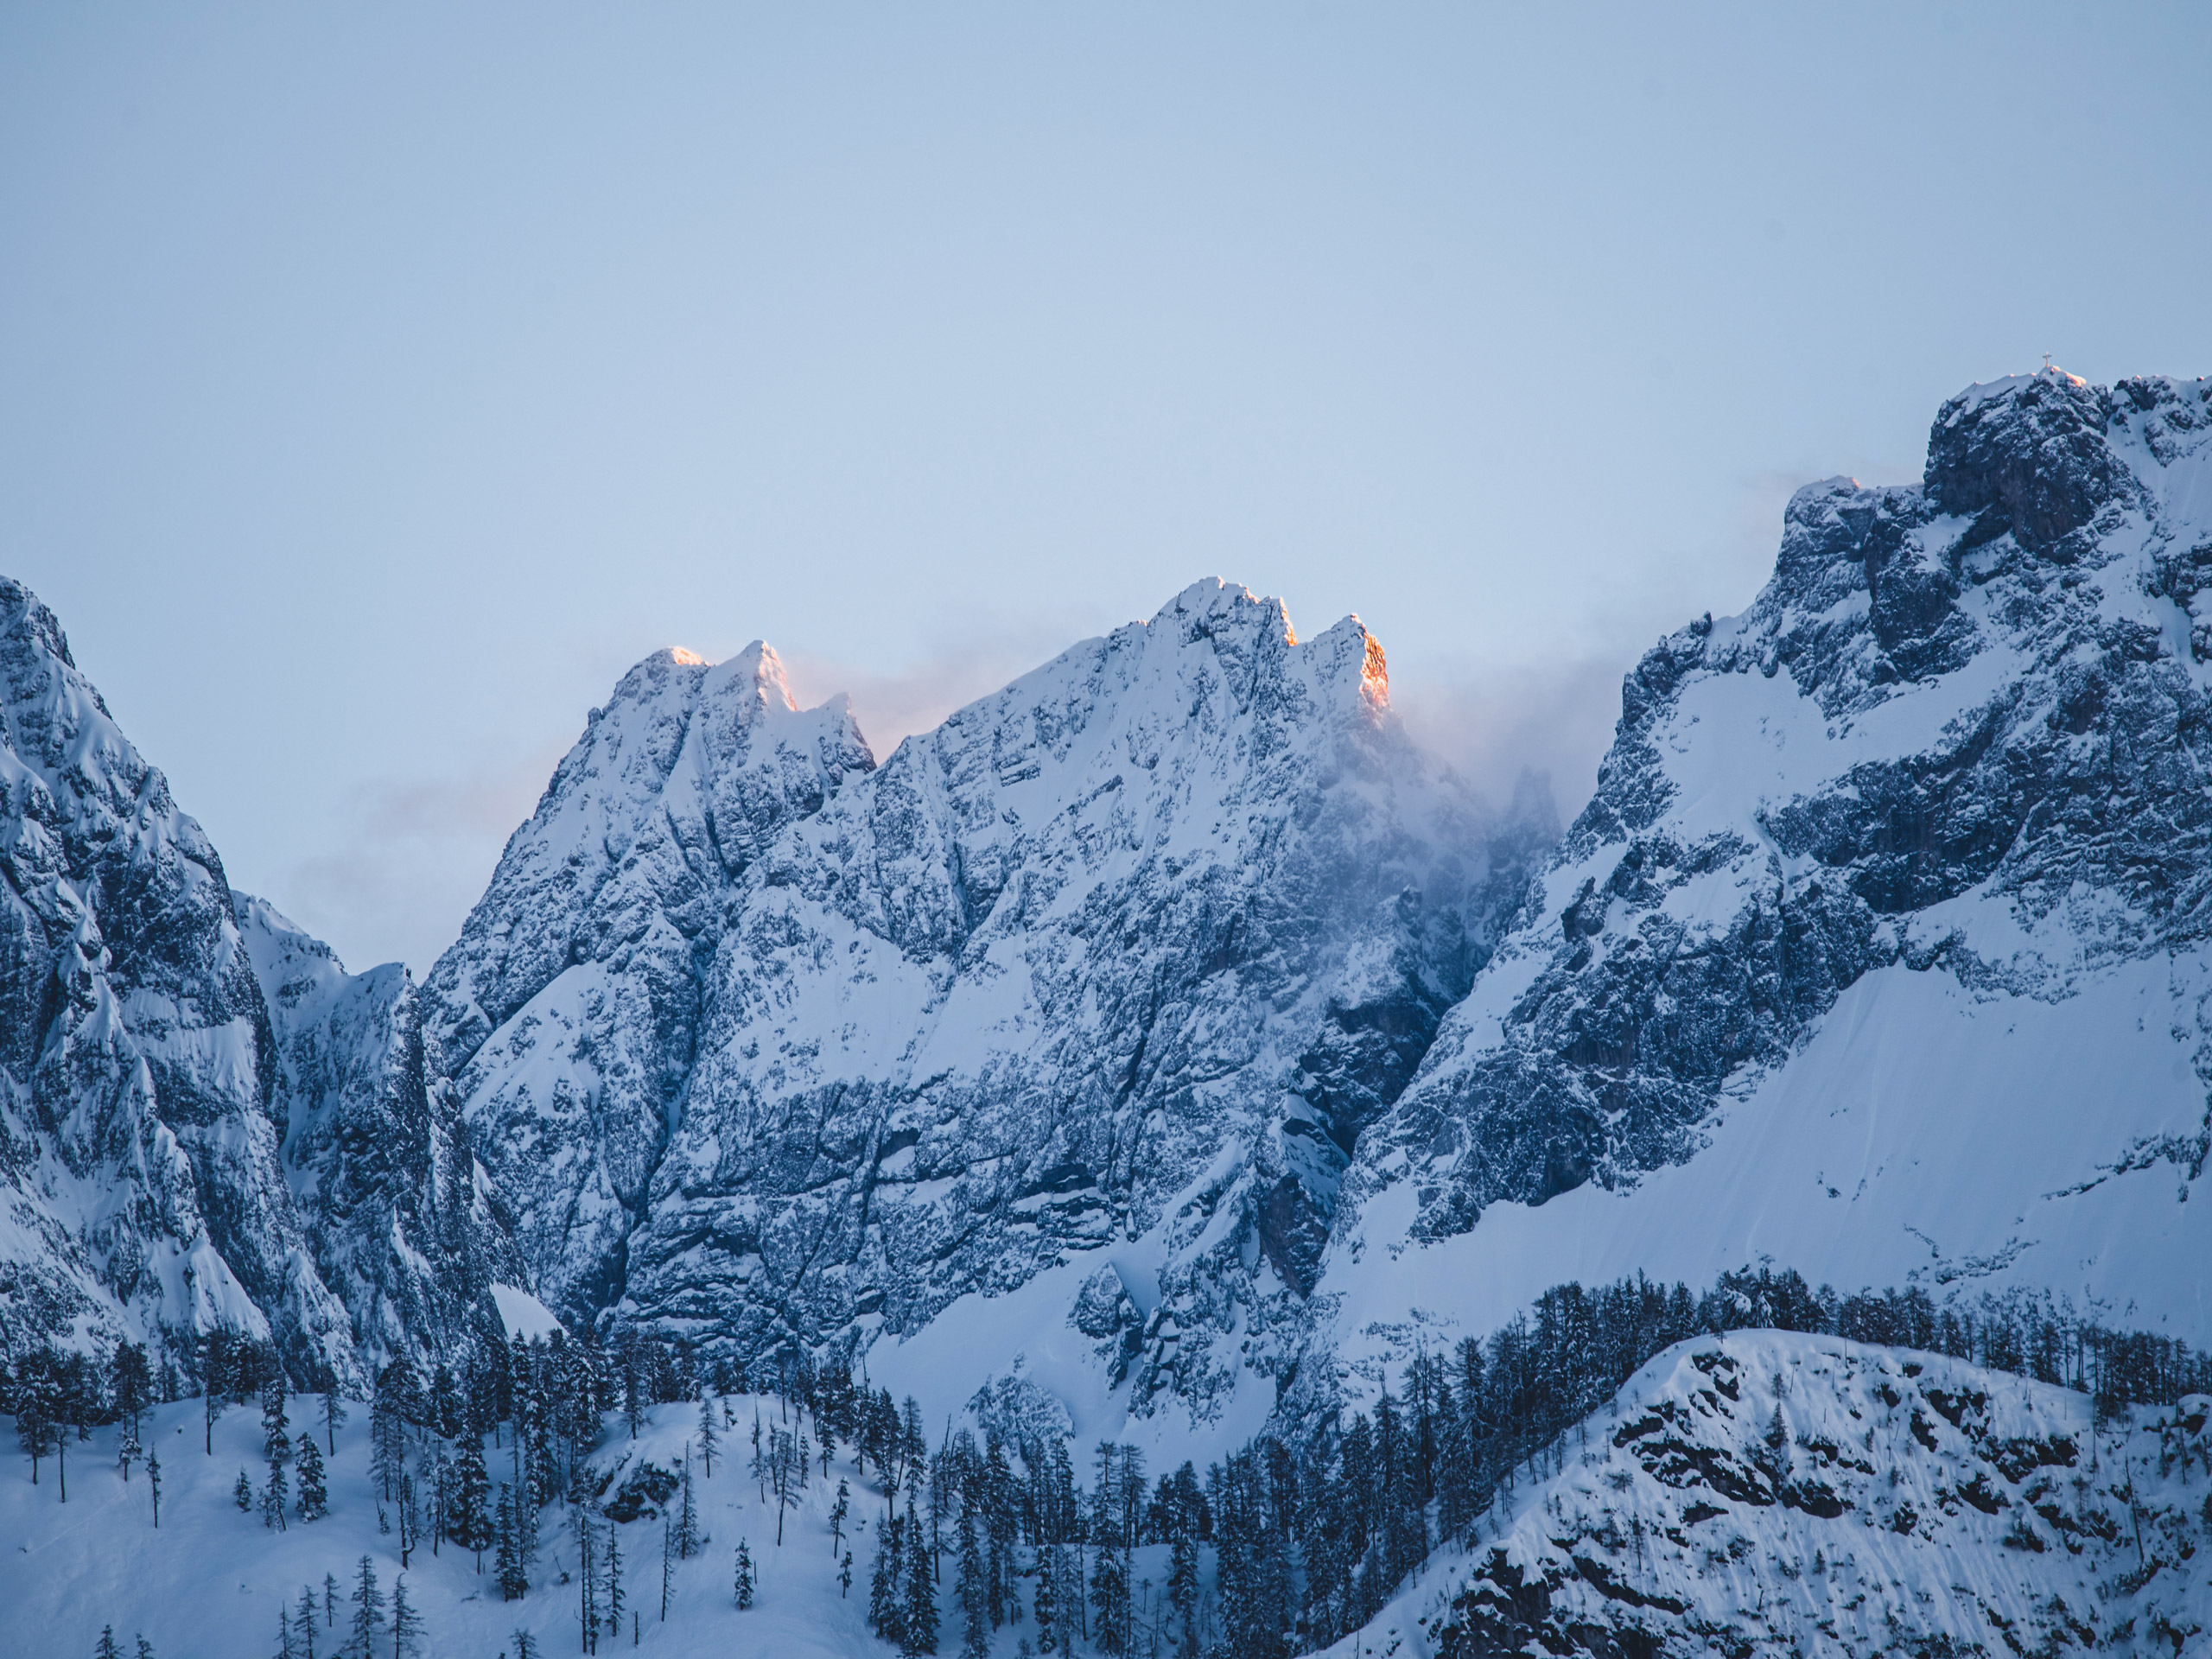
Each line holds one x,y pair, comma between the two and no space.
1885,948
775,1047
207,1121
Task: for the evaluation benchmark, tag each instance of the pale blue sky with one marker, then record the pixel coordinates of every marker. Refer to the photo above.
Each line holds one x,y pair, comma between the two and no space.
377,383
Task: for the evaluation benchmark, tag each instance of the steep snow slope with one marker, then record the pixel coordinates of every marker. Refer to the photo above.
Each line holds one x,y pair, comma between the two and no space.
1881,948
1127,954
1772,1493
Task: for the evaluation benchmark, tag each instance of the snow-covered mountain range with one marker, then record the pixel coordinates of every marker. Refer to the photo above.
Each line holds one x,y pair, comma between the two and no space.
1165,1045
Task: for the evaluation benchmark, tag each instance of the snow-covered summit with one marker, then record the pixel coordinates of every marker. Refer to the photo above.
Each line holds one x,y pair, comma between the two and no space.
1882,949
764,1045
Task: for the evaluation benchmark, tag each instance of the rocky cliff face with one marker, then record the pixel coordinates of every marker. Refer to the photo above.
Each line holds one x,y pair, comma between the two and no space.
185,1138
1795,980
1128,953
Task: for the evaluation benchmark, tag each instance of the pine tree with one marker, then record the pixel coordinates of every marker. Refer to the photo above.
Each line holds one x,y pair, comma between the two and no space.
969,1591
242,1494
406,1623
470,1517
334,1416
506,1566
838,1512
276,1444
744,1575
285,1649
154,1481
845,1577
1182,1582
107,1649
687,1525
525,1645
145,1648
368,1609
303,1621
1048,1598
667,1560
919,1613
273,1499
330,1601
1110,1596
709,1441
314,1489
884,1579
615,1598
587,1578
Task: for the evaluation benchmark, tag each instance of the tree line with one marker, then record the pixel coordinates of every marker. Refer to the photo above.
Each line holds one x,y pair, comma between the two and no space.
1309,1531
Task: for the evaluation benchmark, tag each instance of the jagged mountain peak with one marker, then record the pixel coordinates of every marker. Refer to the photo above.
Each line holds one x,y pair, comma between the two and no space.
164,1042
1881,949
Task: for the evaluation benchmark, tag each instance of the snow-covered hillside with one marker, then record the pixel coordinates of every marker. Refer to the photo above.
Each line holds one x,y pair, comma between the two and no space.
1882,952
209,1582
1771,1493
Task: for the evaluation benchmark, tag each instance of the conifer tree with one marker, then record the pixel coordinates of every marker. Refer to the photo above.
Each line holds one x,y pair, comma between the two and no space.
154,1481
687,1525
330,1601
969,1591
525,1645
333,1415
406,1623
314,1488
285,1649
1109,1596
667,1558
276,1444
303,1621
34,1426
107,1649
838,1512
514,1582
242,1494
145,1648
918,1614
214,1395
845,1577
587,1578
709,1441
368,1609
274,1497
615,1598
1047,1599
885,1581
471,1516
744,1576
